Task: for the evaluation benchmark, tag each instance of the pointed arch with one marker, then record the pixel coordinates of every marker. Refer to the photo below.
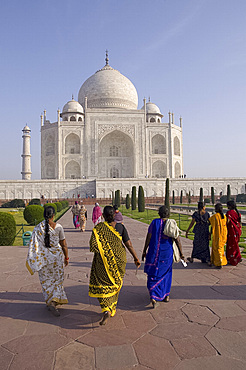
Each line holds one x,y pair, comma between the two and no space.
159,145
72,170
72,144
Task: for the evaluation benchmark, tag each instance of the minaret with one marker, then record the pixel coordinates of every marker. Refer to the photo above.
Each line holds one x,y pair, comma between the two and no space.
26,156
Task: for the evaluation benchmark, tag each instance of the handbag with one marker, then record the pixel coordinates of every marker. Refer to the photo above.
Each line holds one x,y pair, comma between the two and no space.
176,254
171,229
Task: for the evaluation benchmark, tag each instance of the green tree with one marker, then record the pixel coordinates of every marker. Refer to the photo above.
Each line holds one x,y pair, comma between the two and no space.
173,197
33,214
167,200
228,192
112,198
212,195
128,201
134,198
189,198
201,195
7,229
181,197
117,198
141,200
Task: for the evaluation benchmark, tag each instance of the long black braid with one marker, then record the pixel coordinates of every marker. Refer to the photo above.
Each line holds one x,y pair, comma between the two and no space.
219,209
48,213
232,205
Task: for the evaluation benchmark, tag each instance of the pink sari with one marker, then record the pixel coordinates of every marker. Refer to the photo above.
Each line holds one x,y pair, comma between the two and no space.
96,215
234,228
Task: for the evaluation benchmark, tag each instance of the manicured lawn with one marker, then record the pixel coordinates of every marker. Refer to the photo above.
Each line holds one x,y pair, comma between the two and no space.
21,224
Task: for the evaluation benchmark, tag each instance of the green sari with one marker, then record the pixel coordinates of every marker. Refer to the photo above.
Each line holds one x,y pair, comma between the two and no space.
108,266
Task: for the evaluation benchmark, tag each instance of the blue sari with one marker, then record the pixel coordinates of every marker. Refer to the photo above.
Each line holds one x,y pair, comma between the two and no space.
159,260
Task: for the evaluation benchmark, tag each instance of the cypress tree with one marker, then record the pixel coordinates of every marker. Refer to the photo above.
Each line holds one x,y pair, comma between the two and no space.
112,198
128,201
134,198
189,198
228,192
173,197
141,200
181,197
201,195
167,200
212,195
117,198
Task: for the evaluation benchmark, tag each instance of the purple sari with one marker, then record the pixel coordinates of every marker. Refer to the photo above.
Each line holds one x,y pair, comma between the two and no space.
159,260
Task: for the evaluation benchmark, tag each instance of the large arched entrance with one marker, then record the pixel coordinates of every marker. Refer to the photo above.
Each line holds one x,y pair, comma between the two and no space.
116,156
72,170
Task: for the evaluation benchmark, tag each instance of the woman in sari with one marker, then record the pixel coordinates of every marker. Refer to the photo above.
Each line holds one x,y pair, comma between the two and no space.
109,262
96,214
234,229
82,218
76,212
158,251
46,255
219,232
201,239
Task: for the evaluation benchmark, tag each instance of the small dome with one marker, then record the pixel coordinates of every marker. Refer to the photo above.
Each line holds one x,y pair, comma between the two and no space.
72,106
152,108
108,88
26,128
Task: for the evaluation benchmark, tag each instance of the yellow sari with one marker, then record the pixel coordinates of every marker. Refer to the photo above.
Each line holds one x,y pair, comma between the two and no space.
219,229
108,266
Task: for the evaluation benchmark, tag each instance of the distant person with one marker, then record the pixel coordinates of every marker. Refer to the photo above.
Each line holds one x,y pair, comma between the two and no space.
201,238
109,262
46,255
117,214
96,214
219,232
82,218
158,251
234,230
76,212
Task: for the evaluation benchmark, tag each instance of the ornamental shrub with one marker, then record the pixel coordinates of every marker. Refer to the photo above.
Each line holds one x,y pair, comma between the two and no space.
167,201
117,198
59,206
181,197
228,192
35,201
241,198
52,205
7,229
33,214
128,201
141,200
134,198
173,197
65,203
201,195
207,200
212,195
15,203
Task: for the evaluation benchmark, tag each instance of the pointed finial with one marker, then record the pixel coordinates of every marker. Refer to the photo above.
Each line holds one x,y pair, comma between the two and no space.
72,97
106,59
149,99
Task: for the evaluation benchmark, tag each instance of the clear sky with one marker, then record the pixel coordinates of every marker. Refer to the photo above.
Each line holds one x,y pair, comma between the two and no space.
189,56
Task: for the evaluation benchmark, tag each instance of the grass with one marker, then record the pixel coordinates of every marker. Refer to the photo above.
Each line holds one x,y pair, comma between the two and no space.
183,222
21,224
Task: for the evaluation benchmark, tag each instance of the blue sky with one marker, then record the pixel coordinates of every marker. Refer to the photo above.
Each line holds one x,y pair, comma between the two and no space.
189,56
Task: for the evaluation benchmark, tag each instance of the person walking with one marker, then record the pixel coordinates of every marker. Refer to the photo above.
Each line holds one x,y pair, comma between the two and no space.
76,212
82,218
234,231
96,214
47,254
109,262
219,232
158,255
117,214
201,238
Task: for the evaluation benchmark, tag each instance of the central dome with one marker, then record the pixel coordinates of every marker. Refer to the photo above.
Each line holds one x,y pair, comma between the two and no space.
108,88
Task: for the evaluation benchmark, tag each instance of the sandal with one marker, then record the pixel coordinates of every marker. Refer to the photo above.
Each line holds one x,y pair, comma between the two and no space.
166,299
106,316
154,303
54,310
190,259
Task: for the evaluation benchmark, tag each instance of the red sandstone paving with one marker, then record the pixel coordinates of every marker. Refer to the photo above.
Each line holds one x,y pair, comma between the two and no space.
116,357
200,315
75,356
43,360
237,323
180,330
164,316
212,363
11,329
6,358
192,348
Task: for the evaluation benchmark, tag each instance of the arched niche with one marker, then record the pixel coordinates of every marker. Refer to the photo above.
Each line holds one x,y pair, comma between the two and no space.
72,144
176,145
72,118
116,151
152,119
159,169
50,145
159,144
72,170
50,170
177,169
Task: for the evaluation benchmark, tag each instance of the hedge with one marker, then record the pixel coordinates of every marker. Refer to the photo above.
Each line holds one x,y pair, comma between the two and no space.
35,201
33,214
59,206
52,205
7,229
15,203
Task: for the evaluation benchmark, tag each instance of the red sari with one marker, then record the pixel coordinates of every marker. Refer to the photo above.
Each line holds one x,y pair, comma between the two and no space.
234,232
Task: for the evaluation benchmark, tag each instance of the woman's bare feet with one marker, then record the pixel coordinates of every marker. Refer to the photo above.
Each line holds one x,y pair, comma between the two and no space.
154,303
166,299
52,308
106,316
190,259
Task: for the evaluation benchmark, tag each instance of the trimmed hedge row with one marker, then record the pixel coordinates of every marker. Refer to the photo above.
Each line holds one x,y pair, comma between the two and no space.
33,214
7,229
15,203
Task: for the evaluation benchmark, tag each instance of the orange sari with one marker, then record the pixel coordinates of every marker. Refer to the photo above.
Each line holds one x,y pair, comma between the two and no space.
219,230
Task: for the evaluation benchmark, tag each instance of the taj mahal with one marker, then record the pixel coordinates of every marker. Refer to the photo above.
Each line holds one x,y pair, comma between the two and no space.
103,142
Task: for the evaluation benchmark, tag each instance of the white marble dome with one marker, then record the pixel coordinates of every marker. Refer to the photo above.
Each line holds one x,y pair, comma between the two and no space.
108,88
72,106
152,108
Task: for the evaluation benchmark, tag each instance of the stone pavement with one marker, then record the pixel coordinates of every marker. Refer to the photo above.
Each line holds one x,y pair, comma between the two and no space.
202,327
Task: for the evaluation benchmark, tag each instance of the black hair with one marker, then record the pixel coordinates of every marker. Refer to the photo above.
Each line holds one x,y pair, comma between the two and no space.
232,205
48,213
115,207
164,212
108,214
219,209
200,205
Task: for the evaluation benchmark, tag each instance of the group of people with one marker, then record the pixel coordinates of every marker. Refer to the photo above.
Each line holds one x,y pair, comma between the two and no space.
79,216
109,240
225,229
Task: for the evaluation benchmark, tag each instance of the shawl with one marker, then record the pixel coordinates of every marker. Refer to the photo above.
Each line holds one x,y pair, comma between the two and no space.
219,229
38,255
234,218
96,213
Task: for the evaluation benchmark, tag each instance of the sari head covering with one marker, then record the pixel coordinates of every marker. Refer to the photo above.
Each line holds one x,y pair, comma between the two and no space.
219,229
97,213
234,229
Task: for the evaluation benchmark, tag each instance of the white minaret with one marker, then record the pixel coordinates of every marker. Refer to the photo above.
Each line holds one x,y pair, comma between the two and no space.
26,156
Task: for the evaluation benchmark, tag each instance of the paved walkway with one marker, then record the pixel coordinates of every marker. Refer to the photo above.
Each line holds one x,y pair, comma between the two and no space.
202,327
